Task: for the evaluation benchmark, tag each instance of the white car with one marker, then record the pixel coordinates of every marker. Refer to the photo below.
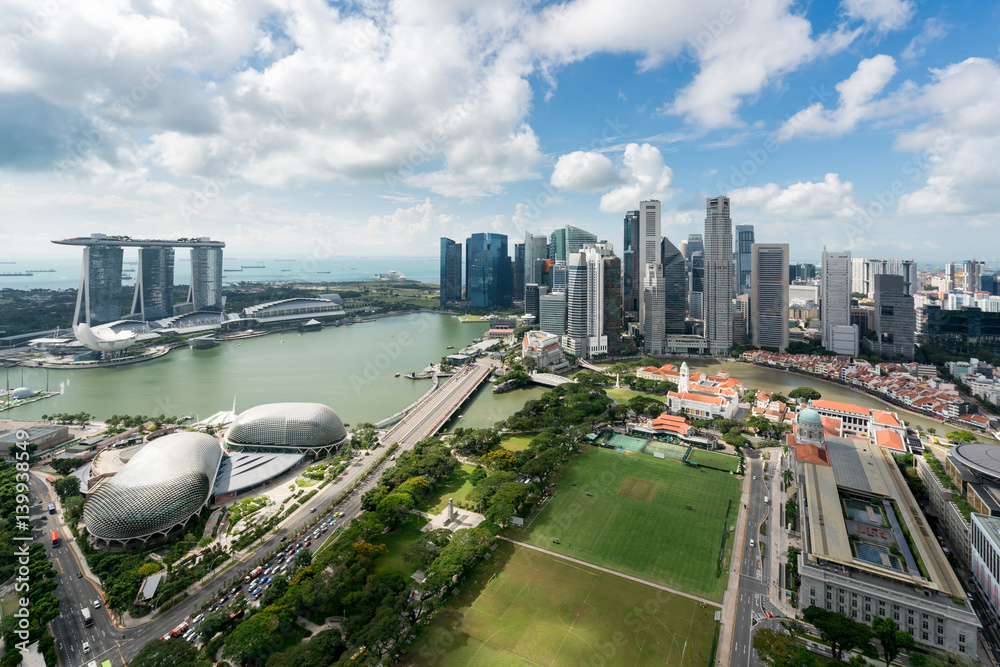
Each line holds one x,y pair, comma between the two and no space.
751,544
86,647
97,604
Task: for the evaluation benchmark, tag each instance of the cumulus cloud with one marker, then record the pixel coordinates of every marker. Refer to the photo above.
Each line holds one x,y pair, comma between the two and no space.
644,175
830,197
581,171
856,93
744,57
933,30
883,15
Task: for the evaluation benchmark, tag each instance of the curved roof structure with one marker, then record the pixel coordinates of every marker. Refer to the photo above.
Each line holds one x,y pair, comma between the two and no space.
809,416
300,427
23,392
104,338
161,487
980,458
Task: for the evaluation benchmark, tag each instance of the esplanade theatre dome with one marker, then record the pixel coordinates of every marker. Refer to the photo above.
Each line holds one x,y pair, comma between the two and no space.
162,486
287,427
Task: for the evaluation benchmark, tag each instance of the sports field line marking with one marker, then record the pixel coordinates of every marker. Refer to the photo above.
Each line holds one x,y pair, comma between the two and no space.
610,516
599,568
570,628
486,642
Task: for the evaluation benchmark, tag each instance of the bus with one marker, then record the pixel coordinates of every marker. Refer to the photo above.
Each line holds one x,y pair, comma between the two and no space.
88,620
254,573
55,538
52,508
50,479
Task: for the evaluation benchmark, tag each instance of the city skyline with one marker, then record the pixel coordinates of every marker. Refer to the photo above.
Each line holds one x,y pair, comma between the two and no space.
861,125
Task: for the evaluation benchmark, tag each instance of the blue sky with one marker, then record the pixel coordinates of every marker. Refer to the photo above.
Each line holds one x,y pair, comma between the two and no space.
296,127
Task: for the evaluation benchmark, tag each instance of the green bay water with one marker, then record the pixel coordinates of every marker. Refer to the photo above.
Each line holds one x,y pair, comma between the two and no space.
350,368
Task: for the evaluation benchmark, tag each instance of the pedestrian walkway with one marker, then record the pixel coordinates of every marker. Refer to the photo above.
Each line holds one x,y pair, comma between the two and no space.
779,535
560,556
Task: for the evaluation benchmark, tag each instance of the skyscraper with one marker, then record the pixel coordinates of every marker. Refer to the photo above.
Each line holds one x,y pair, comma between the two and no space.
653,309
839,335
744,240
489,276
553,313
557,275
649,253
154,286
695,252
576,304
895,318
205,292
863,272
674,288
613,304
532,305
98,301
535,254
631,267
518,272
451,271
718,275
971,272
769,295
570,239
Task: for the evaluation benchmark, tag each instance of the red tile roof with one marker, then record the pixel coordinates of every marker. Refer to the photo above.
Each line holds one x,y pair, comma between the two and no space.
890,440
842,407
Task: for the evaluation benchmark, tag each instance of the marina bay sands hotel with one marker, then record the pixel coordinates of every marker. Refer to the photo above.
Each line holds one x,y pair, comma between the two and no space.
99,299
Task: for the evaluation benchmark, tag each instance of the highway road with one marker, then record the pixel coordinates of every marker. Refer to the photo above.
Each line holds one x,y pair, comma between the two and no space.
752,596
431,415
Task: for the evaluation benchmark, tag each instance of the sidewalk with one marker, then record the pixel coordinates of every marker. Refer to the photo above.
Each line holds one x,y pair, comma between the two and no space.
731,597
779,535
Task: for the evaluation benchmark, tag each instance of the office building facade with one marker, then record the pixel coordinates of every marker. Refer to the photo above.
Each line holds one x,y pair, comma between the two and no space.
568,240
653,309
649,253
839,335
518,285
863,272
613,315
489,276
769,295
744,242
631,268
719,274
535,254
154,286
984,541
895,318
552,309
674,288
451,271
532,305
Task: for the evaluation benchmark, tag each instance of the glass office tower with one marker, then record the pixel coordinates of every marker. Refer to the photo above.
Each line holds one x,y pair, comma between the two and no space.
451,271
99,299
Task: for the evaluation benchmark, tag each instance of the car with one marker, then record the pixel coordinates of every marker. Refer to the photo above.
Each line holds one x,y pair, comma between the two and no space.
283,538
197,619
79,574
308,542
755,476
751,543
312,510
97,604
86,647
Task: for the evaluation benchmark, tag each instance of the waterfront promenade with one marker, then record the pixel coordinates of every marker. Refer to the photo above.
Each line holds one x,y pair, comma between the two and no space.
428,418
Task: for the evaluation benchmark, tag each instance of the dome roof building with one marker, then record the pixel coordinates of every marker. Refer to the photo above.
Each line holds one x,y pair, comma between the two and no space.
160,488
305,428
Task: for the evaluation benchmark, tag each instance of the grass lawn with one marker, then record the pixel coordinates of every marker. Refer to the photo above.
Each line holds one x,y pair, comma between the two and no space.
527,608
515,443
396,542
456,486
671,536
714,460
623,396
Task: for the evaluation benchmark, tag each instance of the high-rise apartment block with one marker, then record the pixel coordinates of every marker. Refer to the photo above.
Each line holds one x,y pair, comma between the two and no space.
744,241
839,335
769,296
719,274
863,272
451,271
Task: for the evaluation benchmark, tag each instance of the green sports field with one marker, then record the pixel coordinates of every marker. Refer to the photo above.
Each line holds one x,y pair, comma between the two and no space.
527,608
714,460
668,449
652,518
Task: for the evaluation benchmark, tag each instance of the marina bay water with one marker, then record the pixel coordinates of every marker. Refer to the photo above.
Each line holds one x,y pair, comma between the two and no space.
350,368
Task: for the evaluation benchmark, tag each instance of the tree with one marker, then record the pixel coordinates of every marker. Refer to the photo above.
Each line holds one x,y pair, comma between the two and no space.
250,637
842,633
321,650
67,487
805,393
168,653
478,475
892,639
500,459
773,647
961,436
394,507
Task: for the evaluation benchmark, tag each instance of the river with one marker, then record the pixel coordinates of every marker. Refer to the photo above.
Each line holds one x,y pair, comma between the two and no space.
349,368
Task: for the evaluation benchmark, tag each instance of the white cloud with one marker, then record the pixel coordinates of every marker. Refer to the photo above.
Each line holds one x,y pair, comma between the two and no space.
955,165
581,171
883,15
830,197
933,30
644,175
856,93
745,57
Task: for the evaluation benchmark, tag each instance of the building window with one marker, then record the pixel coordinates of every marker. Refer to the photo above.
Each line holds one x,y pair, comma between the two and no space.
940,629
961,649
961,637
895,615
868,618
868,607
841,599
940,641
923,635
812,592
925,625
829,595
